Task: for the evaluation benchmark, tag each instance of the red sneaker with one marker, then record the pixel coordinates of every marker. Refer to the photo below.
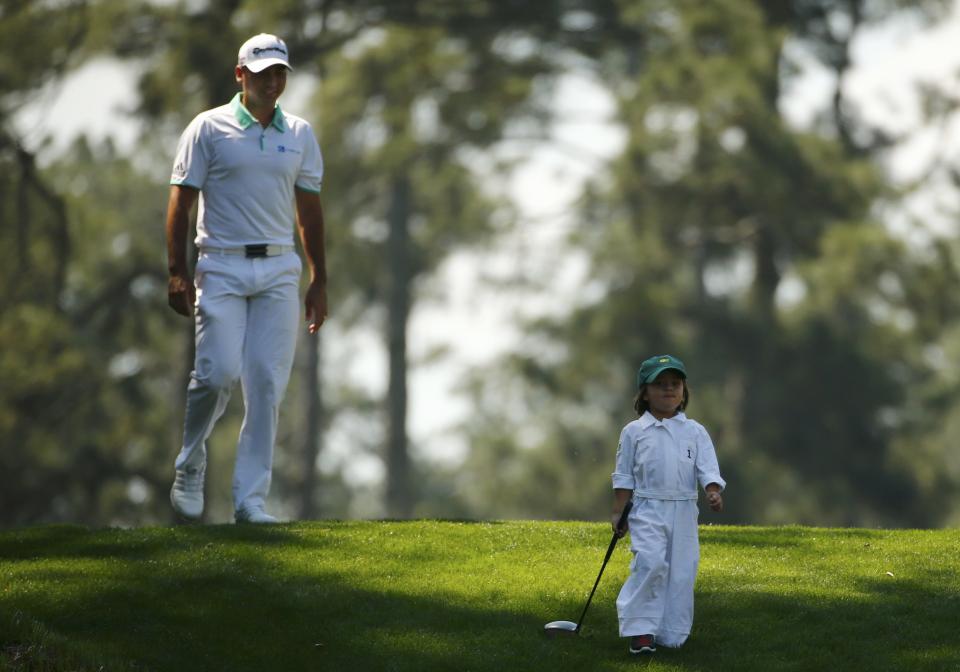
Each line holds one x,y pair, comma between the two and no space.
642,644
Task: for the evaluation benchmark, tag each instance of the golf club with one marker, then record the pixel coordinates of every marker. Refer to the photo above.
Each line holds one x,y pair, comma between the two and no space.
555,628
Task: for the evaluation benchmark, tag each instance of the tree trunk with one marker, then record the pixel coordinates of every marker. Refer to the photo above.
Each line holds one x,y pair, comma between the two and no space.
767,275
398,496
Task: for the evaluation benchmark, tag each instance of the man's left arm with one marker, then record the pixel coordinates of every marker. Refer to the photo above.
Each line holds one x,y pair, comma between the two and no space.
310,224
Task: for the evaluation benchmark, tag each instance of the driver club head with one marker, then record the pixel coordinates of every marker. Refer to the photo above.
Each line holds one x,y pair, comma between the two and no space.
555,628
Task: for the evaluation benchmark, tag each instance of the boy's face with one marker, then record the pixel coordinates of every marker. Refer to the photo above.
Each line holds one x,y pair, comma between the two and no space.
665,394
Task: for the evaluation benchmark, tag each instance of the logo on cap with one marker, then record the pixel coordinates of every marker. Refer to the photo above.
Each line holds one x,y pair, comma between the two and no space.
261,51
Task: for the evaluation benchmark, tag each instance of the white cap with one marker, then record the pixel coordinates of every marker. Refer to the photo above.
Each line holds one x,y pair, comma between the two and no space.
263,50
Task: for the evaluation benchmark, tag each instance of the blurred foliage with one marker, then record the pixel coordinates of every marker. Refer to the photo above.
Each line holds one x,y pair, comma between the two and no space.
822,348
813,396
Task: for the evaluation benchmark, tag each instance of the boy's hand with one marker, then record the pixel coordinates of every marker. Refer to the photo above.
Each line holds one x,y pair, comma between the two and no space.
613,523
715,500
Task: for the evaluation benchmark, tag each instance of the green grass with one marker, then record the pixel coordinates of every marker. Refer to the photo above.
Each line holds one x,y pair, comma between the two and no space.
428,595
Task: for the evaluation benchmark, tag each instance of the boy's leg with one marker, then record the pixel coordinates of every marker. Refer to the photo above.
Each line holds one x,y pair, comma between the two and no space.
684,558
273,316
640,604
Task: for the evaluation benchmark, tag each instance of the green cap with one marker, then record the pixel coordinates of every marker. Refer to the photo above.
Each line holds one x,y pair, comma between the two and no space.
653,367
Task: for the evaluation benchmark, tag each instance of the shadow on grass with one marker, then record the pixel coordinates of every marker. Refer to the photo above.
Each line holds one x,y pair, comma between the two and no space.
217,598
888,626
224,598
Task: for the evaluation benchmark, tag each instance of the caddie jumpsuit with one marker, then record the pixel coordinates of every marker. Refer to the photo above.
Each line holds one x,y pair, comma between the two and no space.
662,462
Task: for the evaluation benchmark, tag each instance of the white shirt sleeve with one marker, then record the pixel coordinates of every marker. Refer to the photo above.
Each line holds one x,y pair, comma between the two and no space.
310,177
192,160
708,470
623,472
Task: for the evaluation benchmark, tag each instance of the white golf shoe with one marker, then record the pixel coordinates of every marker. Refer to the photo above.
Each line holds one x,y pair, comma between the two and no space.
254,514
186,495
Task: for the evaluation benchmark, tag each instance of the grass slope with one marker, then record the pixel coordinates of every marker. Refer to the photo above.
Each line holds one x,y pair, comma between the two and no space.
429,595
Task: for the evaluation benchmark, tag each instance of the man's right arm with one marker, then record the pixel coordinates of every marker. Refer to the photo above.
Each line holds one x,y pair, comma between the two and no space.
181,293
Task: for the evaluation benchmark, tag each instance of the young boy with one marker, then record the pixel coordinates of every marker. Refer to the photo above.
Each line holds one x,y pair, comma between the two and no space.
662,457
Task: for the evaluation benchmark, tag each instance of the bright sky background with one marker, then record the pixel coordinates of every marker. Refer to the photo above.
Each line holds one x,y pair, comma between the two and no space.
476,321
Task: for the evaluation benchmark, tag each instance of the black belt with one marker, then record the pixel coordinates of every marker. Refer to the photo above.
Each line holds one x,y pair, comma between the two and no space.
250,251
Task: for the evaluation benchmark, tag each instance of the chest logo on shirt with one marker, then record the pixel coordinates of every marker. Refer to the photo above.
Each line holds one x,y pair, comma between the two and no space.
283,149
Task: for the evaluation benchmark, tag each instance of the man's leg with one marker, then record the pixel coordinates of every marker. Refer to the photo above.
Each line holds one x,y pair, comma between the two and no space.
272,319
220,318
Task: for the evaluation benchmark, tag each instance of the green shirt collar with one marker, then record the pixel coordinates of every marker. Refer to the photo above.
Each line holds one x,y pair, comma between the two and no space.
246,120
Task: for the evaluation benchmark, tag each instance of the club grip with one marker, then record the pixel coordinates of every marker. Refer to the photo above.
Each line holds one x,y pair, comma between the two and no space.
623,515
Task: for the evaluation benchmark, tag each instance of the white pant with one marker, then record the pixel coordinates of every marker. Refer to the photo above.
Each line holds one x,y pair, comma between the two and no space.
657,597
247,314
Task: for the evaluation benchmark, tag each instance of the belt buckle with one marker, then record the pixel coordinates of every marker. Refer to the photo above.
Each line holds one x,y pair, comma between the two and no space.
255,251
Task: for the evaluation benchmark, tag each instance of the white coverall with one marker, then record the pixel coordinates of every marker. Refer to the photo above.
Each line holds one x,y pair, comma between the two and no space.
662,462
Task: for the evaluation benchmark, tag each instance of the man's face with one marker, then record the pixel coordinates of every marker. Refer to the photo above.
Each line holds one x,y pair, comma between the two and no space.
261,89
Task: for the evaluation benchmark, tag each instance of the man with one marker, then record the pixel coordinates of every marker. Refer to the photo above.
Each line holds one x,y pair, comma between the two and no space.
256,170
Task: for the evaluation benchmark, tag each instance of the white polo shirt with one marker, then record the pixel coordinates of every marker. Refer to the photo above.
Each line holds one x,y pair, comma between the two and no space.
666,459
246,174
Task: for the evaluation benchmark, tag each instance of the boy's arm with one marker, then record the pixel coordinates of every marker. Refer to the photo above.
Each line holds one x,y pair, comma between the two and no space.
620,499
708,471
